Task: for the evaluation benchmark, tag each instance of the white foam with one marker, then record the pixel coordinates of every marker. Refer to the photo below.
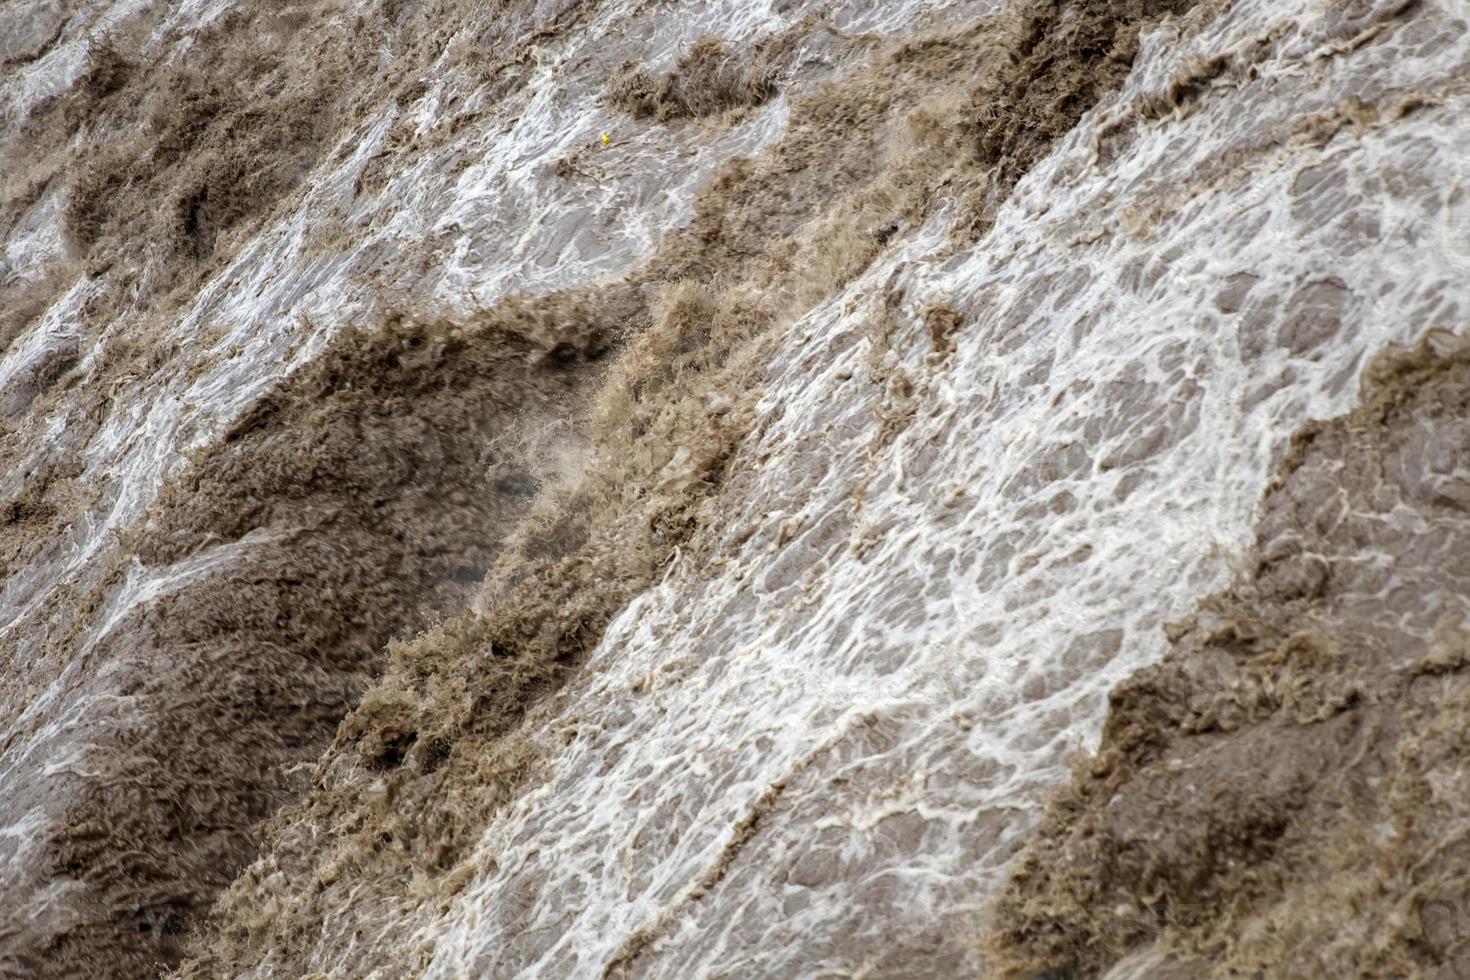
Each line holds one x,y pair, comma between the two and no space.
1081,470
454,230
880,696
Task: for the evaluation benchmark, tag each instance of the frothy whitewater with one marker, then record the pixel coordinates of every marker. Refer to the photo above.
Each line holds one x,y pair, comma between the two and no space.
813,750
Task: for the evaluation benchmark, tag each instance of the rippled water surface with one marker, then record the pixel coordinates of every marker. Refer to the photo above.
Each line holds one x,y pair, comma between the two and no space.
813,750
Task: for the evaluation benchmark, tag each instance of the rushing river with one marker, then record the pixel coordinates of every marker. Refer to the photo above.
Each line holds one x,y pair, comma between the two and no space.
813,748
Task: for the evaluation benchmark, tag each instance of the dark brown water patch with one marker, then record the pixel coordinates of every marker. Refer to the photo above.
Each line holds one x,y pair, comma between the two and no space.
1284,793
708,79
1062,59
358,503
360,506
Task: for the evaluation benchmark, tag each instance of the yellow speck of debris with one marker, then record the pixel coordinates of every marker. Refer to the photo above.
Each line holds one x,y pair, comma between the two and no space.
606,139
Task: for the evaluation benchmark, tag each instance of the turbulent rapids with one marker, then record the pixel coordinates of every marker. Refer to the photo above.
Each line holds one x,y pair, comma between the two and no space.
713,488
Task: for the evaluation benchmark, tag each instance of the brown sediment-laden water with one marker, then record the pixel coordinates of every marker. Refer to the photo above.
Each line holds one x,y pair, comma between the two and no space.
726,489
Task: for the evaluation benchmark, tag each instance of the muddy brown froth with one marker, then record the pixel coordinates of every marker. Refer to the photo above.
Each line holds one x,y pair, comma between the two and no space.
155,702
173,146
360,501
1285,793
363,499
432,752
